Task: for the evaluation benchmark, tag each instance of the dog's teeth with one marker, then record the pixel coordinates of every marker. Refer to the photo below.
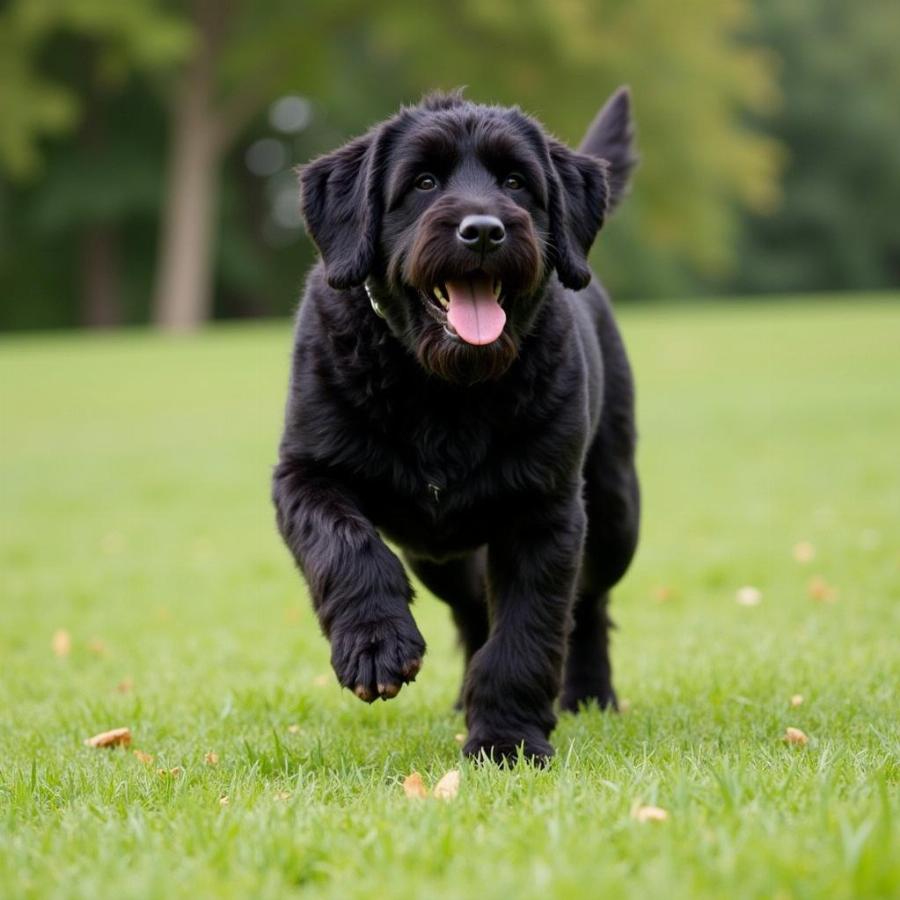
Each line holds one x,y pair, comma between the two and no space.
440,297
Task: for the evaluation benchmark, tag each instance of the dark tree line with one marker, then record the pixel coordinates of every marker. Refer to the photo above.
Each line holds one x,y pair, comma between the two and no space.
146,148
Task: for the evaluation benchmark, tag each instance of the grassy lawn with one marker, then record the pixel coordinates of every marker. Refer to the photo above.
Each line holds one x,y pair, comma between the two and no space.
134,515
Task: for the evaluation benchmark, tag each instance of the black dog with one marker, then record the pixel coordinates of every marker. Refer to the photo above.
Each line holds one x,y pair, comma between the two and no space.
460,387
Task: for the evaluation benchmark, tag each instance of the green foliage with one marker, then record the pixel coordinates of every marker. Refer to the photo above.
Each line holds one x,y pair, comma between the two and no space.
838,224
86,89
134,510
137,35
31,105
691,81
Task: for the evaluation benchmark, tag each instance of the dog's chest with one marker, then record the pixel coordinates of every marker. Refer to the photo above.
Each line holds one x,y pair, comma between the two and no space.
439,475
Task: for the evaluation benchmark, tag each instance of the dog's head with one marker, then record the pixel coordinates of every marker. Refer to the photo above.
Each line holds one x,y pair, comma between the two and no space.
455,216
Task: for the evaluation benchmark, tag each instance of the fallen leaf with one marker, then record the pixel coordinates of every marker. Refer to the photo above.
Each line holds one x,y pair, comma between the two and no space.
413,786
662,593
795,736
126,685
448,787
145,758
223,800
293,729
648,813
821,591
118,737
95,645
283,795
321,680
797,700
624,705
748,596
804,552
459,737
62,642
211,759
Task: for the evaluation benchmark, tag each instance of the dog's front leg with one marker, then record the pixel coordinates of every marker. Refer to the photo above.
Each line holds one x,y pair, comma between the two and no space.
514,679
359,589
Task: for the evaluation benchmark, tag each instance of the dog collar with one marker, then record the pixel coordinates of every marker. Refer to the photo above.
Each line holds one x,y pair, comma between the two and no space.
376,308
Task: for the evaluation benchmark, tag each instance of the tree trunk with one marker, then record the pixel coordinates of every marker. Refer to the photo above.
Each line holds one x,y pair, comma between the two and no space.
101,286
101,281
183,292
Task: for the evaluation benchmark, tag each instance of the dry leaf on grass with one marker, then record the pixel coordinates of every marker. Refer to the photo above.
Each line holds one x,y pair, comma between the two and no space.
174,772
62,642
283,795
413,786
145,758
804,552
820,590
663,593
797,700
748,596
223,801
126,685
96,646
795,736
211,759
118,737
448,787
293,729
321,680
648,813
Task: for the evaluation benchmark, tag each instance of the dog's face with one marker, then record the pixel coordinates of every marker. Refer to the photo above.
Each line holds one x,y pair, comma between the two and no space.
455,216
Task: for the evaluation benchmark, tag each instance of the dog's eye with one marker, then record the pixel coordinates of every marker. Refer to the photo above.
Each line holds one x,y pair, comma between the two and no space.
425,182
514,182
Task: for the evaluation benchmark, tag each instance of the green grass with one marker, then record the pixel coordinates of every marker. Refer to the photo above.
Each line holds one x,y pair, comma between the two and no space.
135,512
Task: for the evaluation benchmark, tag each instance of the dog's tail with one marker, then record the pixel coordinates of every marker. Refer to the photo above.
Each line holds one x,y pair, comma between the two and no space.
611,138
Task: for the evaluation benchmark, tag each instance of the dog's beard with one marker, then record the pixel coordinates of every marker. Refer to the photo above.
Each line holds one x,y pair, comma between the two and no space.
460,363
424,271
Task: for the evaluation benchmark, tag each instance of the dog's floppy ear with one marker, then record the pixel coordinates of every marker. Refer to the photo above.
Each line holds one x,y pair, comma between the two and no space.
579,199
341,199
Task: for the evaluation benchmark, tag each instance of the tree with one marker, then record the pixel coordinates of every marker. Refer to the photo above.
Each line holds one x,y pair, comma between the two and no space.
210,68
65,62
838,226
243,54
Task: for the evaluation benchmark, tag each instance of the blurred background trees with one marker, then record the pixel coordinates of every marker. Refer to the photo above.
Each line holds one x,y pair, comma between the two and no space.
146,148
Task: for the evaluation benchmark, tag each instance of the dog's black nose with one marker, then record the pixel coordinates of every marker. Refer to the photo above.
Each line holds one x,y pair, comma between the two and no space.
481,233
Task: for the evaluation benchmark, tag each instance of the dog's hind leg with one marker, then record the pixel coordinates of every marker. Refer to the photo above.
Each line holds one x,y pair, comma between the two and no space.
460,583
612,501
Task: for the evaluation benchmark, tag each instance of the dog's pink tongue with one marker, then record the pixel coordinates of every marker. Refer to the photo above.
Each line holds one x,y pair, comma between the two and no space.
474,311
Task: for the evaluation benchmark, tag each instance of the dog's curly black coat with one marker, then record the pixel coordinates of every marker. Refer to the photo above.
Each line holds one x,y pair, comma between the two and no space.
505,470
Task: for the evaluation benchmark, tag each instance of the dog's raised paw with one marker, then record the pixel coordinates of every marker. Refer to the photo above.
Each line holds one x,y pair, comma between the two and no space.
375,660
